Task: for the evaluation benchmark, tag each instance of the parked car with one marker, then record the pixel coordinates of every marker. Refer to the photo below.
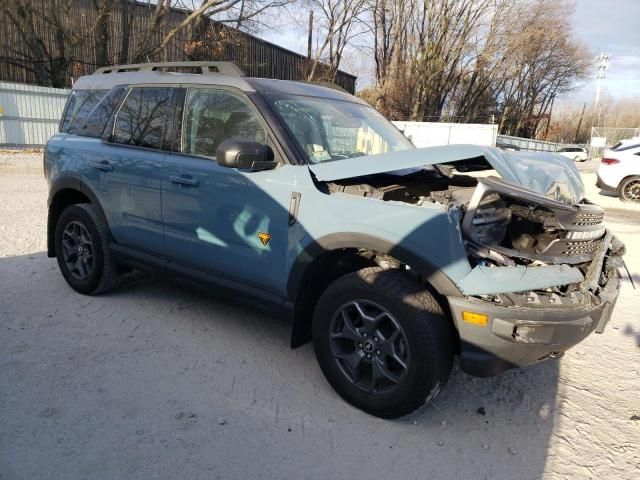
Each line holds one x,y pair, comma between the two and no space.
577,154
305,200
619,171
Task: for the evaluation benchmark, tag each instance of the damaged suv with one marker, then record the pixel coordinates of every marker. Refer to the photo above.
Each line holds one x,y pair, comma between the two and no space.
303,199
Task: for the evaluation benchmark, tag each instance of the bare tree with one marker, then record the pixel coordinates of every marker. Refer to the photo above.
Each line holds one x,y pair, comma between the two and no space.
544,63
232,12
467,60
104,9
337,23
48,61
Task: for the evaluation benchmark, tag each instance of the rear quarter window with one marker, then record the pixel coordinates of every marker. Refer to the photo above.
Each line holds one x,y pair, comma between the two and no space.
79,105
101,114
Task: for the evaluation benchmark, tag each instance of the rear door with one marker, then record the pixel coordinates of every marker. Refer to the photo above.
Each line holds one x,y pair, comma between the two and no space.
220,220
129,165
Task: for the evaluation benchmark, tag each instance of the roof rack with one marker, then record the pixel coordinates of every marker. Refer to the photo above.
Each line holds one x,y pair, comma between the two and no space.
204,68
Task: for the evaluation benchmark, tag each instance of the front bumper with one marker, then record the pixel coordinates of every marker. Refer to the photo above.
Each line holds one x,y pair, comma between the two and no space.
519,335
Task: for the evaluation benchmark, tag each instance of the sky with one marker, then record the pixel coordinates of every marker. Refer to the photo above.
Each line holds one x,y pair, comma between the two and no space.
611,27
605,26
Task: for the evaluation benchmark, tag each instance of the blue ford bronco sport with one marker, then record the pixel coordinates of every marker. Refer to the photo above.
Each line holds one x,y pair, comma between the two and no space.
304,200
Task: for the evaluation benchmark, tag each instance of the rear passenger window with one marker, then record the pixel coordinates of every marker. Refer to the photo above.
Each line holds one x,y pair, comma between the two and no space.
141,119
211,116
99,117
79,105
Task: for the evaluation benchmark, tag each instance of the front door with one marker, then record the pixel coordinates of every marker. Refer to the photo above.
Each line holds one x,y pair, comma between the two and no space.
221,220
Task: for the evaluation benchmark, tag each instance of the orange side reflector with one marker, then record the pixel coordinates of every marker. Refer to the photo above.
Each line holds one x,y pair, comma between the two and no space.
475,318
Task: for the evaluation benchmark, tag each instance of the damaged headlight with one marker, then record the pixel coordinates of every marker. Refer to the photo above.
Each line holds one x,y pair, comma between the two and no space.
490,221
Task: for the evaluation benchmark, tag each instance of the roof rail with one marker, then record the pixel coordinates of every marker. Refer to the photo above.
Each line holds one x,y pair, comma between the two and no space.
204,68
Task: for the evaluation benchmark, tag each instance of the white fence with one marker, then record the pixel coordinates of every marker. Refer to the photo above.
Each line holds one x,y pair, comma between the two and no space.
29,115
430,134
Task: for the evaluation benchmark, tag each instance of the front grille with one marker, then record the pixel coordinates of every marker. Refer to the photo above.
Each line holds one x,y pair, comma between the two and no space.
583,219
572,248
578,248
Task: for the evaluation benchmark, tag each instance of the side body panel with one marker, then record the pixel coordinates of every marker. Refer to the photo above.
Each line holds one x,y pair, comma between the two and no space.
216,224
125,181
427,235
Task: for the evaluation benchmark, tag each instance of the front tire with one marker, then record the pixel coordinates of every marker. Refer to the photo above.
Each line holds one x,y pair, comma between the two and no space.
82,250
629,189
382,341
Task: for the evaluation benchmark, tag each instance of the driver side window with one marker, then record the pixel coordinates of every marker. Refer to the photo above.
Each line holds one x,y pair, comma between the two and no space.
212,116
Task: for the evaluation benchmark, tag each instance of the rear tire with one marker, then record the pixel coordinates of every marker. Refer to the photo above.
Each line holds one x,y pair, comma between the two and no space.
357,354
82,250
629,189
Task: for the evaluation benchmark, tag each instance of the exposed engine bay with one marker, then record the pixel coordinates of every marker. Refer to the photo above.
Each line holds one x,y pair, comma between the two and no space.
504,224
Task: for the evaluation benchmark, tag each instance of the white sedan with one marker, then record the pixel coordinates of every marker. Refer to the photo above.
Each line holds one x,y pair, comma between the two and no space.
619,171
578,154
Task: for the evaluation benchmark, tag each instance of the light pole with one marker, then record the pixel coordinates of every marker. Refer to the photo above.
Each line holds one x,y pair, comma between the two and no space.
602,67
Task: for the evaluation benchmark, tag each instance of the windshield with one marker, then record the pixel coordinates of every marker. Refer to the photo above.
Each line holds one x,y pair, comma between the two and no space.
327,129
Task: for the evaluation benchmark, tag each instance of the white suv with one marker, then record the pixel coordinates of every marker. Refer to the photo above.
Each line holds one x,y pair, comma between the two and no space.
619,171
579,154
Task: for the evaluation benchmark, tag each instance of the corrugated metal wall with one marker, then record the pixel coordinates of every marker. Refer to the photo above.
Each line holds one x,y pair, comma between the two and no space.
29,115
257,57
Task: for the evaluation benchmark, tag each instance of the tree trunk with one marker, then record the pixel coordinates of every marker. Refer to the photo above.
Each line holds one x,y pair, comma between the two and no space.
125,27
101,36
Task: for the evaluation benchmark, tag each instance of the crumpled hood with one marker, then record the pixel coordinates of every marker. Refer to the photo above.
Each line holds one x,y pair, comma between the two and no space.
548,174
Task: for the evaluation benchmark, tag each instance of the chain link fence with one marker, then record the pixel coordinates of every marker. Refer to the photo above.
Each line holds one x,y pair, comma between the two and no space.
605,137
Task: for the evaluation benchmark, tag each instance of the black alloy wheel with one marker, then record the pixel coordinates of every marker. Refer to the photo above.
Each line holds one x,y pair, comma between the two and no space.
370,347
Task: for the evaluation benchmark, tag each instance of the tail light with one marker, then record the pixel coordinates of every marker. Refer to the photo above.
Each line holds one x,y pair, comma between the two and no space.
610,161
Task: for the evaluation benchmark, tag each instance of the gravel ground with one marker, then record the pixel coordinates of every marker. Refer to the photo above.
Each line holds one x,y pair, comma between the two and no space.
157,381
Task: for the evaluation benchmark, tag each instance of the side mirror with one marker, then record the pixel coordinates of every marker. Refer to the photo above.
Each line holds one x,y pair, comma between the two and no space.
245,154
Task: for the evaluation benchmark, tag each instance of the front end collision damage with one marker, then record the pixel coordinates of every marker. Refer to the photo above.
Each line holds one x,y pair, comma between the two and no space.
545,276
543,269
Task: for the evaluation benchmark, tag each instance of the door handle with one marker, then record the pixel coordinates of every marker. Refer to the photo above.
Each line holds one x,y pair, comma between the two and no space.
103,165
186,180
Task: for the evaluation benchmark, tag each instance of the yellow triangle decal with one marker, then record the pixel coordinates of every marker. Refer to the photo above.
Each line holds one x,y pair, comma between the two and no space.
264,238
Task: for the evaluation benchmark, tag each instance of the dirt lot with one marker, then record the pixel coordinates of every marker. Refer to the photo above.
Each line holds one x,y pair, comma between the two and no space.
157,381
